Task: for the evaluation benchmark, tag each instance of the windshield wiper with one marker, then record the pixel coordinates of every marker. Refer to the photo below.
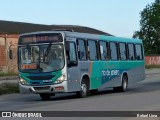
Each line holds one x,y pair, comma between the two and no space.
47,51
28,48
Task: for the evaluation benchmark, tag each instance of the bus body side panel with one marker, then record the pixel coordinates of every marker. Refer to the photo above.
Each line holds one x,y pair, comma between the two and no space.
85,68
112,71
73,79
95,74
111,74
103,74
135,72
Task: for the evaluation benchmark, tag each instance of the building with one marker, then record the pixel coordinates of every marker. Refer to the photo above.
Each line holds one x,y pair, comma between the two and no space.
8,52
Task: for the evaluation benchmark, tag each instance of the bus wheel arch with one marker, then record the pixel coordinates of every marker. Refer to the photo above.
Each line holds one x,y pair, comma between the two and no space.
124,74
124,83
85,87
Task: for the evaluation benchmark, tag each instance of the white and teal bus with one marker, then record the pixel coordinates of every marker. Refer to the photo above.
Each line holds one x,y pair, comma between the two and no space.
51,62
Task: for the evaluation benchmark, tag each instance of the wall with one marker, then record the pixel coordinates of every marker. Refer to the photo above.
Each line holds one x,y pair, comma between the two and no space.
3,59
7,43
152,60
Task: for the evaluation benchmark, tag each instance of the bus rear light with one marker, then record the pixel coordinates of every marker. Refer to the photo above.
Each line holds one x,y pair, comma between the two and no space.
59,88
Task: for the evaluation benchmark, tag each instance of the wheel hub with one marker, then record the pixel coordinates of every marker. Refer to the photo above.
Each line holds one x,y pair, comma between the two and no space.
83,88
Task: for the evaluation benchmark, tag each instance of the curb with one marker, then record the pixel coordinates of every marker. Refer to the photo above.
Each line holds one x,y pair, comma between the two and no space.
152,71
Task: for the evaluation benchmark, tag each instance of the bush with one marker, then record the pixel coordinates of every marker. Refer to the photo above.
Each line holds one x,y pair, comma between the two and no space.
152,66
2,74
6,88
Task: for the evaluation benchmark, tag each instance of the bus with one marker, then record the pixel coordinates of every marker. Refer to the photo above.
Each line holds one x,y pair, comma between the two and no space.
51,62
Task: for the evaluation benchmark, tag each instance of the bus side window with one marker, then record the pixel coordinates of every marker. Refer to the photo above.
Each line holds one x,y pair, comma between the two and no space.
92,50
139,54
71,54
131,51
123,53
81,50
104,50
113,51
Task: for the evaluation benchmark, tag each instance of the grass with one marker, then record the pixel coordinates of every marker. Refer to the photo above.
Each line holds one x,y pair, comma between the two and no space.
152,66
7,88
2,74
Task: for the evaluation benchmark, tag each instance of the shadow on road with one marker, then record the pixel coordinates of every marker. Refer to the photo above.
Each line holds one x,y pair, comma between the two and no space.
145,87
136,89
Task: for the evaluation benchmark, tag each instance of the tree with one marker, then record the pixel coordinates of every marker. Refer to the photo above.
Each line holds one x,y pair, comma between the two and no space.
150,28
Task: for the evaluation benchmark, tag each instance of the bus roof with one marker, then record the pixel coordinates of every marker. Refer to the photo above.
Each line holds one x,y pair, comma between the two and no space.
120,39
101,37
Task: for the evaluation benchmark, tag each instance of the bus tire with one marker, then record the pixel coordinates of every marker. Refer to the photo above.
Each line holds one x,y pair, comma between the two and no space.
84,92
45,96
123,86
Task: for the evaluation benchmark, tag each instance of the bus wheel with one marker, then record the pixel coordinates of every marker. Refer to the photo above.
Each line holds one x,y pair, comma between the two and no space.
84,90
45,96
124,85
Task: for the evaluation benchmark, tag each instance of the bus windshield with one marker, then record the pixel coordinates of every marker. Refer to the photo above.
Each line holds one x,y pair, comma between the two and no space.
41,58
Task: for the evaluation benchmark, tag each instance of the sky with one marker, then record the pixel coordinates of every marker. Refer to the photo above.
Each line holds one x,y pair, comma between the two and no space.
117,17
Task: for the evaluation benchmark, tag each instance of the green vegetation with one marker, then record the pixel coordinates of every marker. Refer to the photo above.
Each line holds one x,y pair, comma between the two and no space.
6,88
2,74
152,66
150,28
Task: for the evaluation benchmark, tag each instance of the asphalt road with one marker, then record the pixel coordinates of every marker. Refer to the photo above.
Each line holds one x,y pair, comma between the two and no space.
144,96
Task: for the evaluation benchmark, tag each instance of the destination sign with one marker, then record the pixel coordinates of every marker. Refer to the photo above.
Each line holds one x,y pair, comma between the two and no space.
30,66
41,38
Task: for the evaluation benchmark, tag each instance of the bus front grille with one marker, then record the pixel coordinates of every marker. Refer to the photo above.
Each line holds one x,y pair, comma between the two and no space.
47,77
42,88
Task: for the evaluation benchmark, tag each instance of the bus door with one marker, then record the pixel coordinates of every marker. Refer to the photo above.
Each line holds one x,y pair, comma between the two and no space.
72,66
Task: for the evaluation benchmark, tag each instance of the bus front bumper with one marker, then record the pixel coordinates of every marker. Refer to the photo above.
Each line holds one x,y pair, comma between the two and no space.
56,88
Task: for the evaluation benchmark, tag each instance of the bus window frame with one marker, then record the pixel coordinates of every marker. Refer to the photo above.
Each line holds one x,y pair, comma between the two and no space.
71,63
98,50
117,47
141,52
108,51
134,51
126,50
85,45
97,57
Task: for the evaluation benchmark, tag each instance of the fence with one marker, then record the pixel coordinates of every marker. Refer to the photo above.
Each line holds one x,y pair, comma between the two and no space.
152,59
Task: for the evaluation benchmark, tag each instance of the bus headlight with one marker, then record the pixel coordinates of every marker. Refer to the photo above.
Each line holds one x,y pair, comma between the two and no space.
60,79
23,82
